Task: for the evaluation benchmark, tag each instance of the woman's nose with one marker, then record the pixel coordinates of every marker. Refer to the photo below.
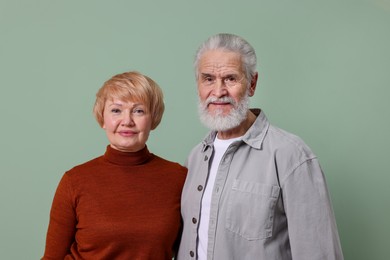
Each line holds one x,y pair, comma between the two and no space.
127,120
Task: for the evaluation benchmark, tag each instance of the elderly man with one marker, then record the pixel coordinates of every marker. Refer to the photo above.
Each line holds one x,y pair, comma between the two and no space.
253,191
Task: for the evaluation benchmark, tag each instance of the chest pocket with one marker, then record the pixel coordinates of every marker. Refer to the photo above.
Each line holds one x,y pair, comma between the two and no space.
250,209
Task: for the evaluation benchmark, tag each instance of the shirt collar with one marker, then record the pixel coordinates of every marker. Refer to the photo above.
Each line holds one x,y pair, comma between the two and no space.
253,137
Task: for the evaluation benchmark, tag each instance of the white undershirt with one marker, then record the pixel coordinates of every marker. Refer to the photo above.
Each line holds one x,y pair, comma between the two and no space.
220,147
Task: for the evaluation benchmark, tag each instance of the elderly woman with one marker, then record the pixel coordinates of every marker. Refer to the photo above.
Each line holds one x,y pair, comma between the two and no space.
124,204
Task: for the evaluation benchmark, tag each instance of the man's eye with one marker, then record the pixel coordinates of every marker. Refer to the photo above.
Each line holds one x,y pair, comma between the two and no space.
208,80
231,79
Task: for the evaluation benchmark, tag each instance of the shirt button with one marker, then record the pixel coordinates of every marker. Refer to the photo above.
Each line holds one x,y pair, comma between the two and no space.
200,188
192,254
194,220
206,157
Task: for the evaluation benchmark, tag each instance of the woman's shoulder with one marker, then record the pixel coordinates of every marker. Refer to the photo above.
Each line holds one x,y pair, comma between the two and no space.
85,167
168,164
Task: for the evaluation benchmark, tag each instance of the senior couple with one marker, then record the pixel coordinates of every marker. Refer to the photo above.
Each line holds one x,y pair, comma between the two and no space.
251,191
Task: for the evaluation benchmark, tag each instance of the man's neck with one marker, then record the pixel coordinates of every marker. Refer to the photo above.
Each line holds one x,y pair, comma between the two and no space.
240,130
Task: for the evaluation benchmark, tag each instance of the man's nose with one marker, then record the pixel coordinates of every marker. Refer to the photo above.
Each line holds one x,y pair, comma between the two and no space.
219,89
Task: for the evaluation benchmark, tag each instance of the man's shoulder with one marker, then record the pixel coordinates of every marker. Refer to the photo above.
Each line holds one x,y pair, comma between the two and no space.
196,153
196,149
287,142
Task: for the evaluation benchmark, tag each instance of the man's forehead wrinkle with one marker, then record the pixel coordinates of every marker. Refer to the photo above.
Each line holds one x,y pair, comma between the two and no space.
219,67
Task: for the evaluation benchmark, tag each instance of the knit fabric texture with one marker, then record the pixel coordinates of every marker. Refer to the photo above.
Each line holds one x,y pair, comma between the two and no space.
117,206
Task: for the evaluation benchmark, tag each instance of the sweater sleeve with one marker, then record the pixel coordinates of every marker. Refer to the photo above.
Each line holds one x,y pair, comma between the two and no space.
62,225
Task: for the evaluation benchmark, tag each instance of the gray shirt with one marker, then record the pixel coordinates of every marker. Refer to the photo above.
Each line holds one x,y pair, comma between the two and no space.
270,200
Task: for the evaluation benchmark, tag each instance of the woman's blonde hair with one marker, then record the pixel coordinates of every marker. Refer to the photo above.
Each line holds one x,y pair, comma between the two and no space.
129,87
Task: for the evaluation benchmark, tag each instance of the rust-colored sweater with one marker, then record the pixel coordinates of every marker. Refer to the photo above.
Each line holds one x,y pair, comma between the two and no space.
117,206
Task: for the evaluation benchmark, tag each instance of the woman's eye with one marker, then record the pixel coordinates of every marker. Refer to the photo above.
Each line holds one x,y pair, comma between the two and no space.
115,110
138,111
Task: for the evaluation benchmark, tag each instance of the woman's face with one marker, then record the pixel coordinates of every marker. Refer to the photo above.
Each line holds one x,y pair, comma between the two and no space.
127,124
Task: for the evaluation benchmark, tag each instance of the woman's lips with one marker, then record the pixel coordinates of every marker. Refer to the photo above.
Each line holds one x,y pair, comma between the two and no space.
127,133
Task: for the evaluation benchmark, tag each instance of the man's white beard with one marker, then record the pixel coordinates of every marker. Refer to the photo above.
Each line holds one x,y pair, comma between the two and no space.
219,122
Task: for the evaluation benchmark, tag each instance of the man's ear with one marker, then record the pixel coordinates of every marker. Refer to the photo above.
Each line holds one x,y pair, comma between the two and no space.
252,87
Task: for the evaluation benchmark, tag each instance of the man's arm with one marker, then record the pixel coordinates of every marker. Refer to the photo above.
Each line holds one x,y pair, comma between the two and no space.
311,223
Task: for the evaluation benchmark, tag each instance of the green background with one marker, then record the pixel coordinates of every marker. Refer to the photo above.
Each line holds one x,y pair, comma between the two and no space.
324,75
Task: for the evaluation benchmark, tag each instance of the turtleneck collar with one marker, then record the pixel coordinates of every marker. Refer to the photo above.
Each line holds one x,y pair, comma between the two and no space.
127,158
